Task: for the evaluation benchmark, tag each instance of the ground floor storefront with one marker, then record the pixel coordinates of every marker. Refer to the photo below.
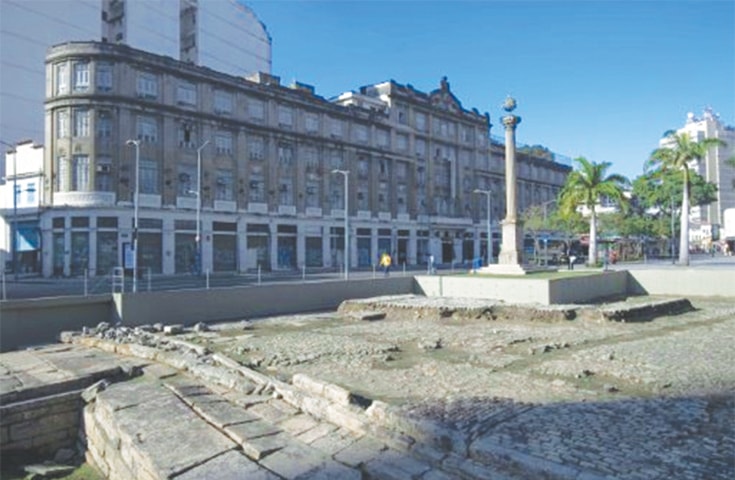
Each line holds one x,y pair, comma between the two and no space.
95,241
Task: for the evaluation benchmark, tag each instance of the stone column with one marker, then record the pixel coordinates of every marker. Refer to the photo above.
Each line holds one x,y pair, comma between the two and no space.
510,251
510,258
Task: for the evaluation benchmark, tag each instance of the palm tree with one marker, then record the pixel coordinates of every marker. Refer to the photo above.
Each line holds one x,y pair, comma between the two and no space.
681,150
586,186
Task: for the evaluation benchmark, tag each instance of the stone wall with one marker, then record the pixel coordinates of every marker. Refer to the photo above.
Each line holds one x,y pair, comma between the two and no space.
40,425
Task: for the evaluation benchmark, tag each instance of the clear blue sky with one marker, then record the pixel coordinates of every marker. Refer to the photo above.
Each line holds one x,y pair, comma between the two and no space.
601,79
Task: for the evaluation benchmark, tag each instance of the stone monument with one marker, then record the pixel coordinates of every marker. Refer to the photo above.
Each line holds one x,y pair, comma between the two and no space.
511,248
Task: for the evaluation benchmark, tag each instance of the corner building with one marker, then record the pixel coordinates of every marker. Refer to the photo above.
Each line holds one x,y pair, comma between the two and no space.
269,198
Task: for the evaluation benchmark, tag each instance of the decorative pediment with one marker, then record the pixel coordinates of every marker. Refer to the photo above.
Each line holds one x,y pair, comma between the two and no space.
444,99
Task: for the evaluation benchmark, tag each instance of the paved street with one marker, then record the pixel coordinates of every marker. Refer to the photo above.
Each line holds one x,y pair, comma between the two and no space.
34,287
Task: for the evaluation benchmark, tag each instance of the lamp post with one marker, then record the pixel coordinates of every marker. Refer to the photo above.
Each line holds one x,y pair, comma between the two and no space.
198,238
136,144
346,174
673,232
546,239
489,194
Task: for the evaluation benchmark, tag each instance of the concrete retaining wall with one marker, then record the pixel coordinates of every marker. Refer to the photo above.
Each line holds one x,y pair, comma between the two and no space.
37,321
575,289
191,306
686,282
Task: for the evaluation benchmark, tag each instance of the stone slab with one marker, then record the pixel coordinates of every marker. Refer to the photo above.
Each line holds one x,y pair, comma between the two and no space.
231,465
242,432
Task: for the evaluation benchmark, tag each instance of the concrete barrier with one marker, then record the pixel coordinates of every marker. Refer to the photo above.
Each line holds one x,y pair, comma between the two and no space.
685,282
37,321
188,307
580,288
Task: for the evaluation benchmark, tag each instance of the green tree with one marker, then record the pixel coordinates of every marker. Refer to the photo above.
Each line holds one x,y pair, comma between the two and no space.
586,186
681,150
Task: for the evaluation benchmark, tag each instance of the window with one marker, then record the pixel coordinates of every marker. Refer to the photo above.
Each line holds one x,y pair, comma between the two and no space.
104,124
256,190
222,101
80,173
147,85
224,185
187,138
285,191
103,174
223,143
149,177
187,185
420,146
103,73
312,192
401,170
186,94
382,138
312,123
363,198
62,174
335,128
17,190
402,142
285,157
30,193
81,76
402,116
383,197
147,129
81,122
62,79
363,168
285,116
62,124
420,122
311,159
256,148
361,133
256,109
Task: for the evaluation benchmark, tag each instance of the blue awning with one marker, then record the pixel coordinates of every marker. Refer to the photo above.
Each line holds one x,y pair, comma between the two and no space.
28,237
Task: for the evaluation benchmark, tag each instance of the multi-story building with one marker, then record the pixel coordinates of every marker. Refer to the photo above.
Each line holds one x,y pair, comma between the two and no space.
269,195
20,199
223,35
714,167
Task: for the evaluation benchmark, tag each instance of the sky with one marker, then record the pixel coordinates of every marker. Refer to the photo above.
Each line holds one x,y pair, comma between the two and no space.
599,79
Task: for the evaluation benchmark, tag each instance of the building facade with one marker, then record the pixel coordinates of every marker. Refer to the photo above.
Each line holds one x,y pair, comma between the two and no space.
714,167
269,196
20,200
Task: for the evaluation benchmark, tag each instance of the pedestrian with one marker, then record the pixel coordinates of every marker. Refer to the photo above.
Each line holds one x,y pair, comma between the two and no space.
385,262
431,264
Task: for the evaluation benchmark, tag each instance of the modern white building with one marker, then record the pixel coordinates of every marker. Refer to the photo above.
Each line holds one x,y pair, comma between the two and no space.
223,35
714,168
20,210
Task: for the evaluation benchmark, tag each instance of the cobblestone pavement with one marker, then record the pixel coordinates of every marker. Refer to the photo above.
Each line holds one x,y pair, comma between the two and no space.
571,399
437,389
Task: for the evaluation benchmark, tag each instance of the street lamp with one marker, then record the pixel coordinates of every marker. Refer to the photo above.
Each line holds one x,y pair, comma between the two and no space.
489,194
346,174
546,239
199,208
136,144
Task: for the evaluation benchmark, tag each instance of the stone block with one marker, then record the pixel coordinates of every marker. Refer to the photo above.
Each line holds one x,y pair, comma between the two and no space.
334,442
346,418
269,412
231,465
319,431
331,470
243,432
308,384
337,394
298,424
90,393
260,447
222,414
173,329
362,451
294,460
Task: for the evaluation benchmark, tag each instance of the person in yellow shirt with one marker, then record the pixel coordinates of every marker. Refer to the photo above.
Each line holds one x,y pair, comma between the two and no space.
385,262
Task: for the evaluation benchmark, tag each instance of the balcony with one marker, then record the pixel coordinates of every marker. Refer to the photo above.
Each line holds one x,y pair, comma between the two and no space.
261,208
225,206
84,199
313,212
186,203
287,210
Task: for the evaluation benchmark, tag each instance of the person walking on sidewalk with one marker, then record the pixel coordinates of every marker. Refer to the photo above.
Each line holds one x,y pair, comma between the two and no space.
385,262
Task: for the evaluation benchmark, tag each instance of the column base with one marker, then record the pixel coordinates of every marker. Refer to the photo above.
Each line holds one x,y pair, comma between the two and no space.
511,269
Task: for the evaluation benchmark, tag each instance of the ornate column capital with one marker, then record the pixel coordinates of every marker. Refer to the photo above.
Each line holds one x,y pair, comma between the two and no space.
511,121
